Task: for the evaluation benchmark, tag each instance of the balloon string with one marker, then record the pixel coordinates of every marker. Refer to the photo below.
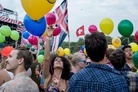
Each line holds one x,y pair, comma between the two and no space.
124,39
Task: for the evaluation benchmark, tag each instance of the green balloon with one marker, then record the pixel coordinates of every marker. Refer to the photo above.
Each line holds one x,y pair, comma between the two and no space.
40,58
2,38
28,45
5,30
135,59
14,35
125,28
41,52
33,49
41,43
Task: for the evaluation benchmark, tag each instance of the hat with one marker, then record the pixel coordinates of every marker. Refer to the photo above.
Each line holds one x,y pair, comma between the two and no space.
126,46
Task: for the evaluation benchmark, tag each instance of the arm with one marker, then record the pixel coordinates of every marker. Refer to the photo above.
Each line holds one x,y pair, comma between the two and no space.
46,66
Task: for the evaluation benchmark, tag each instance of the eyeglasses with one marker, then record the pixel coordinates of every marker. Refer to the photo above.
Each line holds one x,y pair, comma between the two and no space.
82,61
87,63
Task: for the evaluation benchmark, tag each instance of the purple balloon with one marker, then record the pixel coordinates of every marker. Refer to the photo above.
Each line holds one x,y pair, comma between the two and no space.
92,28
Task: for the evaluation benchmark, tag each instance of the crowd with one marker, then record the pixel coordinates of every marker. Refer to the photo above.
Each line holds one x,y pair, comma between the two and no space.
103,70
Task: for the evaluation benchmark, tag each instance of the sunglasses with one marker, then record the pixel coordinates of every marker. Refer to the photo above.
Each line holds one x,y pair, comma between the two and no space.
87,63
82,61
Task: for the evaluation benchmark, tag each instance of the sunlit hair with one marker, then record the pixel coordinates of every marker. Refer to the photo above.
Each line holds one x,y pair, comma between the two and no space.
75,57
109,51
66,68
96,46
26,55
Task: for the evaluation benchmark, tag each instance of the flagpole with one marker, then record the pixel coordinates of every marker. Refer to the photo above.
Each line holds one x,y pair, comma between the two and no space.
68,31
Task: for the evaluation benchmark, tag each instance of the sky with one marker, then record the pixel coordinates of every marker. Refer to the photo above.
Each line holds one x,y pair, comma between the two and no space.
89,12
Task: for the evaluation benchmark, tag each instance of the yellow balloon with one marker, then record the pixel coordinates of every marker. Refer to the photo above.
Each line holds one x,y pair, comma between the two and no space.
134,46
116,42
106,25
36,9
111,46
66,51
60,51
45,33
85,52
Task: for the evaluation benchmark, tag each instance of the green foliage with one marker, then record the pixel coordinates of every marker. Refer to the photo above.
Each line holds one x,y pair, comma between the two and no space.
76,46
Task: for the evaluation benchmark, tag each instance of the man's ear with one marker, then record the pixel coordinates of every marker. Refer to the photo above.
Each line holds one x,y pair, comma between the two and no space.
21,61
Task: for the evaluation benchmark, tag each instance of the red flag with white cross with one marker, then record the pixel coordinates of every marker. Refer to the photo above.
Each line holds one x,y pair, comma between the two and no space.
80,31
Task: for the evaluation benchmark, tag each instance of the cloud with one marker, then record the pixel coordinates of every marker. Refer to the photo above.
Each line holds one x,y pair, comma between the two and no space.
87,12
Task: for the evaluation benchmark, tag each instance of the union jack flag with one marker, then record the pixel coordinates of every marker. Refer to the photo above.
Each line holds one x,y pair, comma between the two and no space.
61,13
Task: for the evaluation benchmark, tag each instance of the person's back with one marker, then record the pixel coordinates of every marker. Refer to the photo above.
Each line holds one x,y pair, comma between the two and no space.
98,76
22,82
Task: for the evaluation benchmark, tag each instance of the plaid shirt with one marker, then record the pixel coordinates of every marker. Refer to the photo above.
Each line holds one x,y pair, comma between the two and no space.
98,78
20,83
131,77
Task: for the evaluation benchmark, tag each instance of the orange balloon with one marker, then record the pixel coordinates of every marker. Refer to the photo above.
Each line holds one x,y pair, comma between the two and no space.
6,51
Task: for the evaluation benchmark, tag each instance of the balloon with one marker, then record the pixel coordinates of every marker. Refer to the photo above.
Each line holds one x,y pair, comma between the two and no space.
45,33
32,49
28,45
66,51
5,30
6,51
25,35
33,40
136,36
40,58
107,26
82,48
2,38
50,18
41,43
85,52
134,46
41,52
60,51
135,59
14,35
116,42
36,28
125,28
57,30
36,9
111,46
92,28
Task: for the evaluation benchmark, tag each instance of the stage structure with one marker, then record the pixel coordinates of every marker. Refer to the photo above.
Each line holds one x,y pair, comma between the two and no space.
10,18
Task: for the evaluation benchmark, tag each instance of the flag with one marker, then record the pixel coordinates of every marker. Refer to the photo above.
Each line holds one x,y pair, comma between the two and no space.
80,31
61,13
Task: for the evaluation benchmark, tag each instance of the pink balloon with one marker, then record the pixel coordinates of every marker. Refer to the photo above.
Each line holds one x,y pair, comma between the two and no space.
57,31
51,18
92,28
32,40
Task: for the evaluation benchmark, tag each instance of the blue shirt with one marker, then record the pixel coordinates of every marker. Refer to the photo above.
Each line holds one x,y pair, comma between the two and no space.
98,78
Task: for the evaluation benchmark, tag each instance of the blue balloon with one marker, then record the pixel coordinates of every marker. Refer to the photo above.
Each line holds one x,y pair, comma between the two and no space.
82,48
25,35
36,28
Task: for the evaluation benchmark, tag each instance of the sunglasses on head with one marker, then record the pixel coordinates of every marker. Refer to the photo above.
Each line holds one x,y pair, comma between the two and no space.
82,61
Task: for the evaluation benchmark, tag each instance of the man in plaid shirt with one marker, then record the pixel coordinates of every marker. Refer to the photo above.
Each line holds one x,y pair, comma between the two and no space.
118,60
98,76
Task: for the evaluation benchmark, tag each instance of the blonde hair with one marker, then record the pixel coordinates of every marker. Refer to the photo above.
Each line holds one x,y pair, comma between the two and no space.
76,56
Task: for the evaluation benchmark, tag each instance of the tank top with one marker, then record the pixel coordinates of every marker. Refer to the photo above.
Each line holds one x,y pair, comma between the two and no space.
10,73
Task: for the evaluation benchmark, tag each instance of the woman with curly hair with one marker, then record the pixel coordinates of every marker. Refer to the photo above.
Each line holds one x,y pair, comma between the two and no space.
57,70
